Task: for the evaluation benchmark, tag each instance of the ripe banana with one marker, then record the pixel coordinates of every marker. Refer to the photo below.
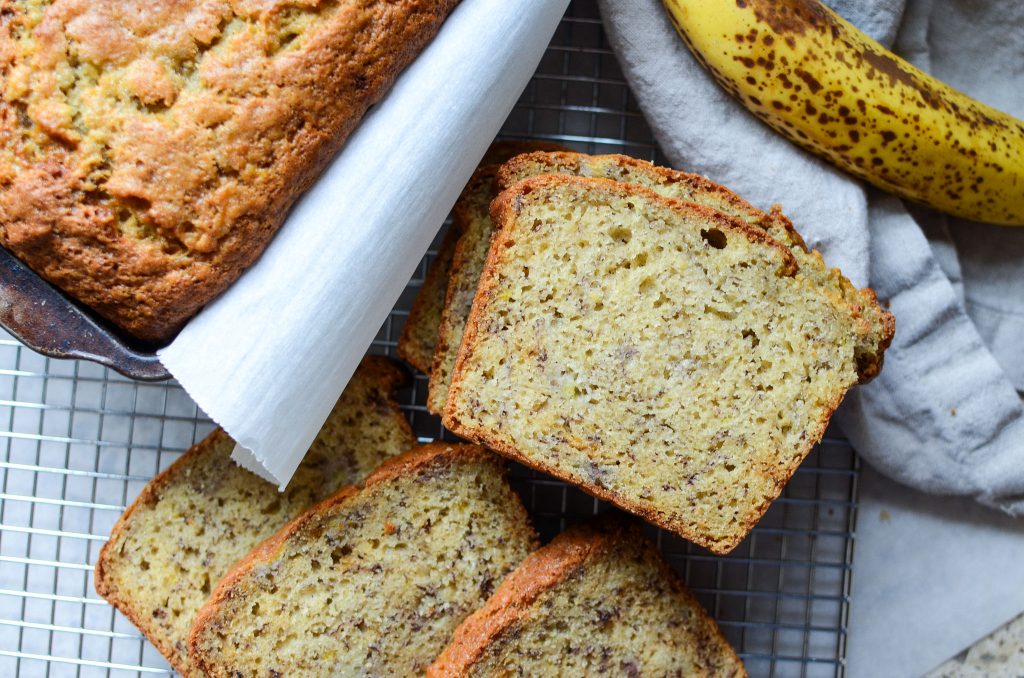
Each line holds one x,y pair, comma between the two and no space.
822,83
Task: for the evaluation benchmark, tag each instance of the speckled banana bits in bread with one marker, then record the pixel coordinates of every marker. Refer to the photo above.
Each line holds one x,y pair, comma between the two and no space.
149,150
473,220
371,581
655,352
599,600
875,329
877,326
193,521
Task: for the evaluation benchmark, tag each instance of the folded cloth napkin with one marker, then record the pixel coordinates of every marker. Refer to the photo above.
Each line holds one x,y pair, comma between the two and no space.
944,416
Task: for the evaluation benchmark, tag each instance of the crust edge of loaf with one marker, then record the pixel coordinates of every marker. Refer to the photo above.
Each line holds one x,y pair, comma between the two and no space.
504,209
162,302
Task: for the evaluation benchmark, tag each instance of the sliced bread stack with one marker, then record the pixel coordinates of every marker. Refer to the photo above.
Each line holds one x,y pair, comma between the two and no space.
663,354
373,580
420,334
192,522
597,601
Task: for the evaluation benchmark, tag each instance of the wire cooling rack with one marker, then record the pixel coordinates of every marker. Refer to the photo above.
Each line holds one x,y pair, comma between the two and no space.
79,442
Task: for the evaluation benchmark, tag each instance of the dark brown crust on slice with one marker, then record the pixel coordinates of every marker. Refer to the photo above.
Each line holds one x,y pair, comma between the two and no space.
389,375
408,462
420,335
67,231
540,572
504,210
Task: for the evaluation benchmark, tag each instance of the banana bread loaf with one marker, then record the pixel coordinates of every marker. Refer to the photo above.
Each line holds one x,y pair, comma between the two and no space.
657,353
193,521
371,581
599,600
149,150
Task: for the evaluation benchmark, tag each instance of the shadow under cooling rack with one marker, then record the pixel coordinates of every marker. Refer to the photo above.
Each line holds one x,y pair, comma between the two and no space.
79,442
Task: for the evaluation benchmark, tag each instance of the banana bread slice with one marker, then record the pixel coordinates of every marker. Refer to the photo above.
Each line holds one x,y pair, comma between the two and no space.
875,331
150,150
194,520
599,600
371,581
878,325
657,353
419,336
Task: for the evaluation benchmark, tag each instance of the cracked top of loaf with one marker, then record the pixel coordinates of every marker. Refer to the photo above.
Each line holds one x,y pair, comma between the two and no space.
150,149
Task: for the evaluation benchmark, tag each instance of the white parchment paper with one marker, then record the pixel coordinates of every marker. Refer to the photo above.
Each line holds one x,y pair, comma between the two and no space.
269,358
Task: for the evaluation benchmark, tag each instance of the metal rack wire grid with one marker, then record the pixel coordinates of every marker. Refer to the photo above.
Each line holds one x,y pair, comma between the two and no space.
79,442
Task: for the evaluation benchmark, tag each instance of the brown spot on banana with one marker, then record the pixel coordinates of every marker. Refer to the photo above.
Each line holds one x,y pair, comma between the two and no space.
826,86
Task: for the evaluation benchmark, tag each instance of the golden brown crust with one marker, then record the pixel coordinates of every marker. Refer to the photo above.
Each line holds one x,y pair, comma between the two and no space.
267,550
503,211
540,572
510,172
387,375
202,181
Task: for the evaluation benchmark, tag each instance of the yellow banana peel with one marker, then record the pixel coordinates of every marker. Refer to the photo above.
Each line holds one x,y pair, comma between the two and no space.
819,81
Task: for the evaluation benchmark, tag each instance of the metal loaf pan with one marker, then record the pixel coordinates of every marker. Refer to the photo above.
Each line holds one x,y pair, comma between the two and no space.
48,322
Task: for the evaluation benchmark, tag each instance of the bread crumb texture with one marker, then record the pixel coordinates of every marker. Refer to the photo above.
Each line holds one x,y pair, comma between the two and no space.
657,353
876,327
472,220
148,150
598,601
193,521
370,582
